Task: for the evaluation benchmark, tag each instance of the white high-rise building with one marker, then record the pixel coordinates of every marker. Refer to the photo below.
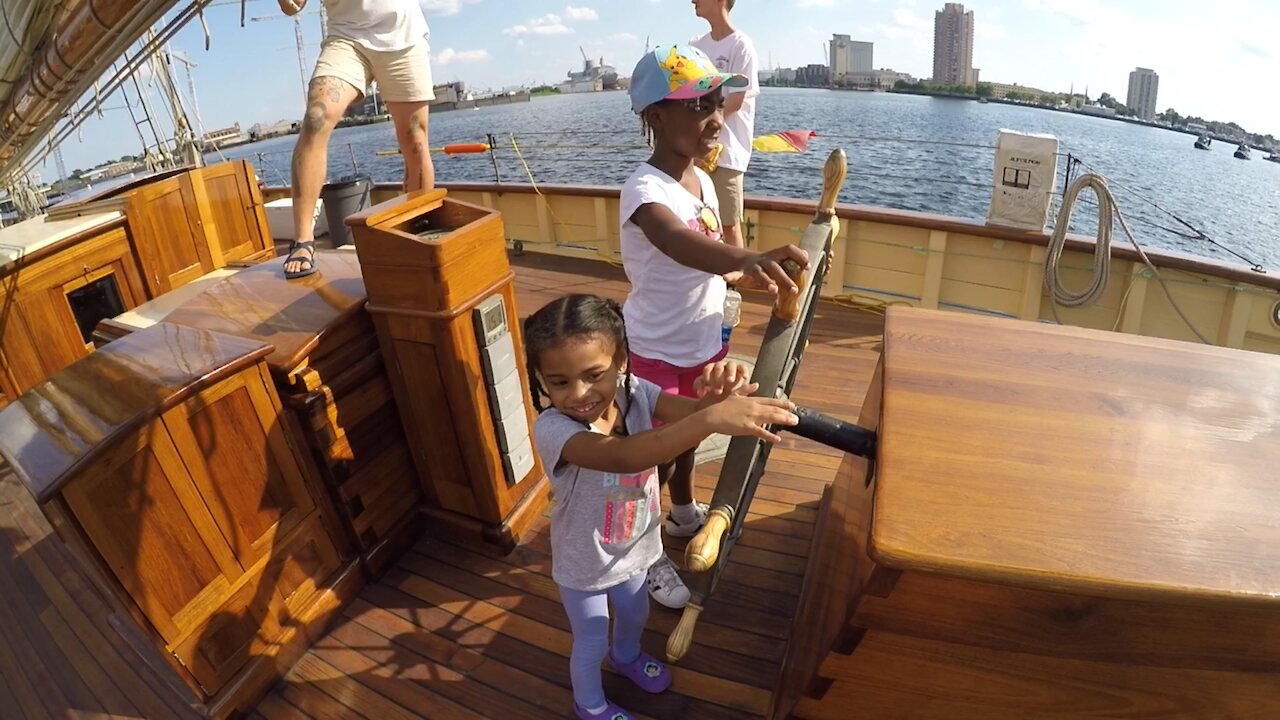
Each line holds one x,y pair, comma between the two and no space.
1144,84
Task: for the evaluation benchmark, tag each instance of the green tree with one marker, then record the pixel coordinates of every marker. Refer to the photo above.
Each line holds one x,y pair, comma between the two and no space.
985,90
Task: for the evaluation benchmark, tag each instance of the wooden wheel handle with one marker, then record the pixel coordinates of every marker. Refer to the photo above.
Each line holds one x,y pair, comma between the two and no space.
788,308
680,640
833,173
703,550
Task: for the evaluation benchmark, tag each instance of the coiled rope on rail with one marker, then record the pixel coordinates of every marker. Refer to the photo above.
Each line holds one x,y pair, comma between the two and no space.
1108,212
1101,249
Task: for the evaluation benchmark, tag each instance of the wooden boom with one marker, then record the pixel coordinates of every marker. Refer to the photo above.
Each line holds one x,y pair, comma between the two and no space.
775,371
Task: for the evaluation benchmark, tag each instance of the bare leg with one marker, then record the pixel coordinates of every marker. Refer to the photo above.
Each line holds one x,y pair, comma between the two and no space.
327,99
677,475
410,119
732,235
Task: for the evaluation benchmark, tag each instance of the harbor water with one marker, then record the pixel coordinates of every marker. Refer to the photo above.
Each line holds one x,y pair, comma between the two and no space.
906,152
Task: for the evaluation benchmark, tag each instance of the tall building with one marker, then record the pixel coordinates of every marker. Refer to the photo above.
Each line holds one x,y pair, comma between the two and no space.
862,57
841,56
1144,83
953,46
849,57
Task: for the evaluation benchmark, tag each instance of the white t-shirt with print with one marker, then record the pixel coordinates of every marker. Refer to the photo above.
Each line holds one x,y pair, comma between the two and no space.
604,526
379,25
673,312
737,54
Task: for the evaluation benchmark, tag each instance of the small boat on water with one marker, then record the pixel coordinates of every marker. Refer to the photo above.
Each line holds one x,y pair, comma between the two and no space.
1204,142
1274,157
1243,152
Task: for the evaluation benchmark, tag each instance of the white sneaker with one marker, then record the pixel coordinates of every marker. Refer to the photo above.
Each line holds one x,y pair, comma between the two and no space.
665,584
675,529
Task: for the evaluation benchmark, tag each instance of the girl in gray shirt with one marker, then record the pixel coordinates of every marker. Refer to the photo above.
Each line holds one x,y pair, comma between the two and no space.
601,452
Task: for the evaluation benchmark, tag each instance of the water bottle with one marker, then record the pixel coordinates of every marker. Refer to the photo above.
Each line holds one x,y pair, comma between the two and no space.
732,311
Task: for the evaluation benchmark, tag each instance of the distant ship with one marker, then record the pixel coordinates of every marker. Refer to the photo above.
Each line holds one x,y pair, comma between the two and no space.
592,78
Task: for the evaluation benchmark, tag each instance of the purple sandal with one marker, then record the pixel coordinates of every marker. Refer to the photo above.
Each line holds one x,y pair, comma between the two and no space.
611,712
646,672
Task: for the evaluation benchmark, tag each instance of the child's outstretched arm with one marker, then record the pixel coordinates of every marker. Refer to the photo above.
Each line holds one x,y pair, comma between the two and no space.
734,415
718,381
693,249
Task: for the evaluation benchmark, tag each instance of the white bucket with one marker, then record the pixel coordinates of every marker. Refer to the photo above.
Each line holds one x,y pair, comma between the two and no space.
280,219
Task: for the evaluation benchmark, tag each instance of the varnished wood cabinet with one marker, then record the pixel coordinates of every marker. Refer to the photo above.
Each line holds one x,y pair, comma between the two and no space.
328,370
187,223
49,307
94,259
442,297
167,456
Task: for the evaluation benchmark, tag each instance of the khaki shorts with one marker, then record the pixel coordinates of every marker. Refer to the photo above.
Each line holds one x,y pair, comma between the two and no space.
728,184
402,75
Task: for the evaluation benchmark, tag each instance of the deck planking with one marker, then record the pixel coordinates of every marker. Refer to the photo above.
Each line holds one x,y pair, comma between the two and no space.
455,631
460,631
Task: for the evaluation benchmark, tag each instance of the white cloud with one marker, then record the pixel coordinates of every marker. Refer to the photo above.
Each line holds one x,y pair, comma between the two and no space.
445,7
812,3
578,14
449,55
908,19
989,31
549,24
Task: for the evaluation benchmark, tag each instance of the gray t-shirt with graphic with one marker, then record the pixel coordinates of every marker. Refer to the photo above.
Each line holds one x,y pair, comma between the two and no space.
604,526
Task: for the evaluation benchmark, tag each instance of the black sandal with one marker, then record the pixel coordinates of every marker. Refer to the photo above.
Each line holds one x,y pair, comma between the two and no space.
310,260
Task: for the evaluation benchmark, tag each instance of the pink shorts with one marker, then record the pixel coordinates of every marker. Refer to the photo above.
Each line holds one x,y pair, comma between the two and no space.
672,378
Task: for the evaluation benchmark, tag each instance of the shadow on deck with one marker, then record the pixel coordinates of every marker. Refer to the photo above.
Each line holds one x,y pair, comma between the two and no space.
454,631
460,632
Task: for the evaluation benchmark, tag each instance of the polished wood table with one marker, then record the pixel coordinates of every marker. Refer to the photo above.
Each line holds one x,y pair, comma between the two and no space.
1061,522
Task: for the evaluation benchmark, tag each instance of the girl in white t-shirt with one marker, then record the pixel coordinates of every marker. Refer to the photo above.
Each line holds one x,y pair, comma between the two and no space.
673,255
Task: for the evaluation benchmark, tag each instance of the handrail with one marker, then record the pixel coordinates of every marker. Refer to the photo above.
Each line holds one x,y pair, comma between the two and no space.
1170,259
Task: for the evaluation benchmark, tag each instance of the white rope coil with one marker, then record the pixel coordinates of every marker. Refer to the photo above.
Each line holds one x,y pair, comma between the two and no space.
1107,211
1101,251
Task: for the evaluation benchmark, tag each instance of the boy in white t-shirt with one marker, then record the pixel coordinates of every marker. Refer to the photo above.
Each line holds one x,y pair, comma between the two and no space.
674,256
732,52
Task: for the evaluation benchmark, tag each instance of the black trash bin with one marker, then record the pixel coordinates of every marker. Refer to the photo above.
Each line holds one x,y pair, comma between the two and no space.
343,198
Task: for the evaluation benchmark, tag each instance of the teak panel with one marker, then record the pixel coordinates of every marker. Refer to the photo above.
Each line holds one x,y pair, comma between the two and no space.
62,424
232,209
1077,460
152,528
169,234
244,469
894,676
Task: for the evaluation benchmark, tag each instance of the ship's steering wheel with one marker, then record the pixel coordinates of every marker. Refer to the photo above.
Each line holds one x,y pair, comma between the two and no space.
776,366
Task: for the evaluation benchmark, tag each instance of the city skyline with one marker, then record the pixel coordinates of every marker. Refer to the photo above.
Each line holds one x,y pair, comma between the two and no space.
1051,44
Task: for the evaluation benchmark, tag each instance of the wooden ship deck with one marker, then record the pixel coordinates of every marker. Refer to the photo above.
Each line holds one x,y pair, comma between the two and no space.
454,631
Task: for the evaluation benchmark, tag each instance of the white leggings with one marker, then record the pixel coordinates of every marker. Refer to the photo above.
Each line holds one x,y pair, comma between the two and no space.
589,617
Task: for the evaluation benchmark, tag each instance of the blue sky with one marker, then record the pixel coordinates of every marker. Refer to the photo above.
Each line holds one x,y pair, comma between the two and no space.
1217,61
